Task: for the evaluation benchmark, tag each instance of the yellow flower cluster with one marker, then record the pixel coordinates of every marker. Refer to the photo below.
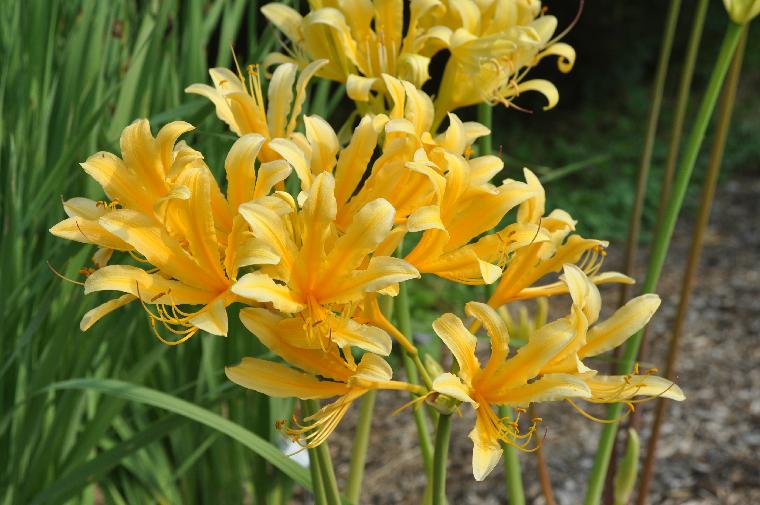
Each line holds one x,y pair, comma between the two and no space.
491,45
308,267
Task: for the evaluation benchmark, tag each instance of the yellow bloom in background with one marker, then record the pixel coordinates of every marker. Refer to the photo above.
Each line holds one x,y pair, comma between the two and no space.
322,373
168,212
493,45
241,104
742,11
320,273
515,381
362,40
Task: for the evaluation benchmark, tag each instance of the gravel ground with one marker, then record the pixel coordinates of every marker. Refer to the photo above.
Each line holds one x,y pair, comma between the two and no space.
709,448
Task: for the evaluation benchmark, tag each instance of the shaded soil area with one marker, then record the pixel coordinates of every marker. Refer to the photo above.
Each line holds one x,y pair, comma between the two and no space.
709,448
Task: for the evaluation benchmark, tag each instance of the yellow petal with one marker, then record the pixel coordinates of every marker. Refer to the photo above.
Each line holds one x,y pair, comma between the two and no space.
152,288
451,385
285,18
565,56
293,155
88,232
546,88
583,292
353,160
261,288
280,98
526,364
141,155
324,143
615,388
270,174
425,218
486,450
358,87
283,336
279,381
381,272
92,316
270,228
461,342
549,388
626,321
118,181
373,368
157,246
370,338
303,81
496,329
213,318
318,214
368,229
241,170
84,208
199,227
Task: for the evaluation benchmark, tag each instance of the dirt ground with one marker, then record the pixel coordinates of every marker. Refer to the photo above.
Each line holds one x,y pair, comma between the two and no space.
709,448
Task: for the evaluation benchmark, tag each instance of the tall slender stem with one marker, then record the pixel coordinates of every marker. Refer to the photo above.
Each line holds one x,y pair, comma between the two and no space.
705,206
634,227
660,247
512,471
485,117
359,449
542,469
441,458
682,104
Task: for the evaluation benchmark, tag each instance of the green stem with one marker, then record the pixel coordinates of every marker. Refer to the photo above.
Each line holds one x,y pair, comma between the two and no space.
634,226
330,484
485,117
316,475
708,194
512,472
660,246
359,450
441,458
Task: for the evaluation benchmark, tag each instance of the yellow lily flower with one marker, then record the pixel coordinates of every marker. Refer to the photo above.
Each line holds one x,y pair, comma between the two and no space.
493,46
466,206
600,337
512,381
554,245
320,272
742,11
361,40
240,103
339,374
168,212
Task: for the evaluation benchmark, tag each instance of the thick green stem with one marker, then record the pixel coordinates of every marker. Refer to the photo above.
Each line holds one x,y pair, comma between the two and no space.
441,458
512,472
634,227
316,475
359,450
660,247
485,117
705,206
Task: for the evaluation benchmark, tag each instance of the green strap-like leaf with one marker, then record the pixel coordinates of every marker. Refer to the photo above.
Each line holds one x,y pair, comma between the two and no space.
184,408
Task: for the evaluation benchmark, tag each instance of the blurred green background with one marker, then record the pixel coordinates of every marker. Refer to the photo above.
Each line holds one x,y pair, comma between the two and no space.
76,72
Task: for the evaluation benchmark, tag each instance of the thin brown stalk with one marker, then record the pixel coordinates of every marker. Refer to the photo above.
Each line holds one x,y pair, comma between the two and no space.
634,227
682,104
708,195
543,470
